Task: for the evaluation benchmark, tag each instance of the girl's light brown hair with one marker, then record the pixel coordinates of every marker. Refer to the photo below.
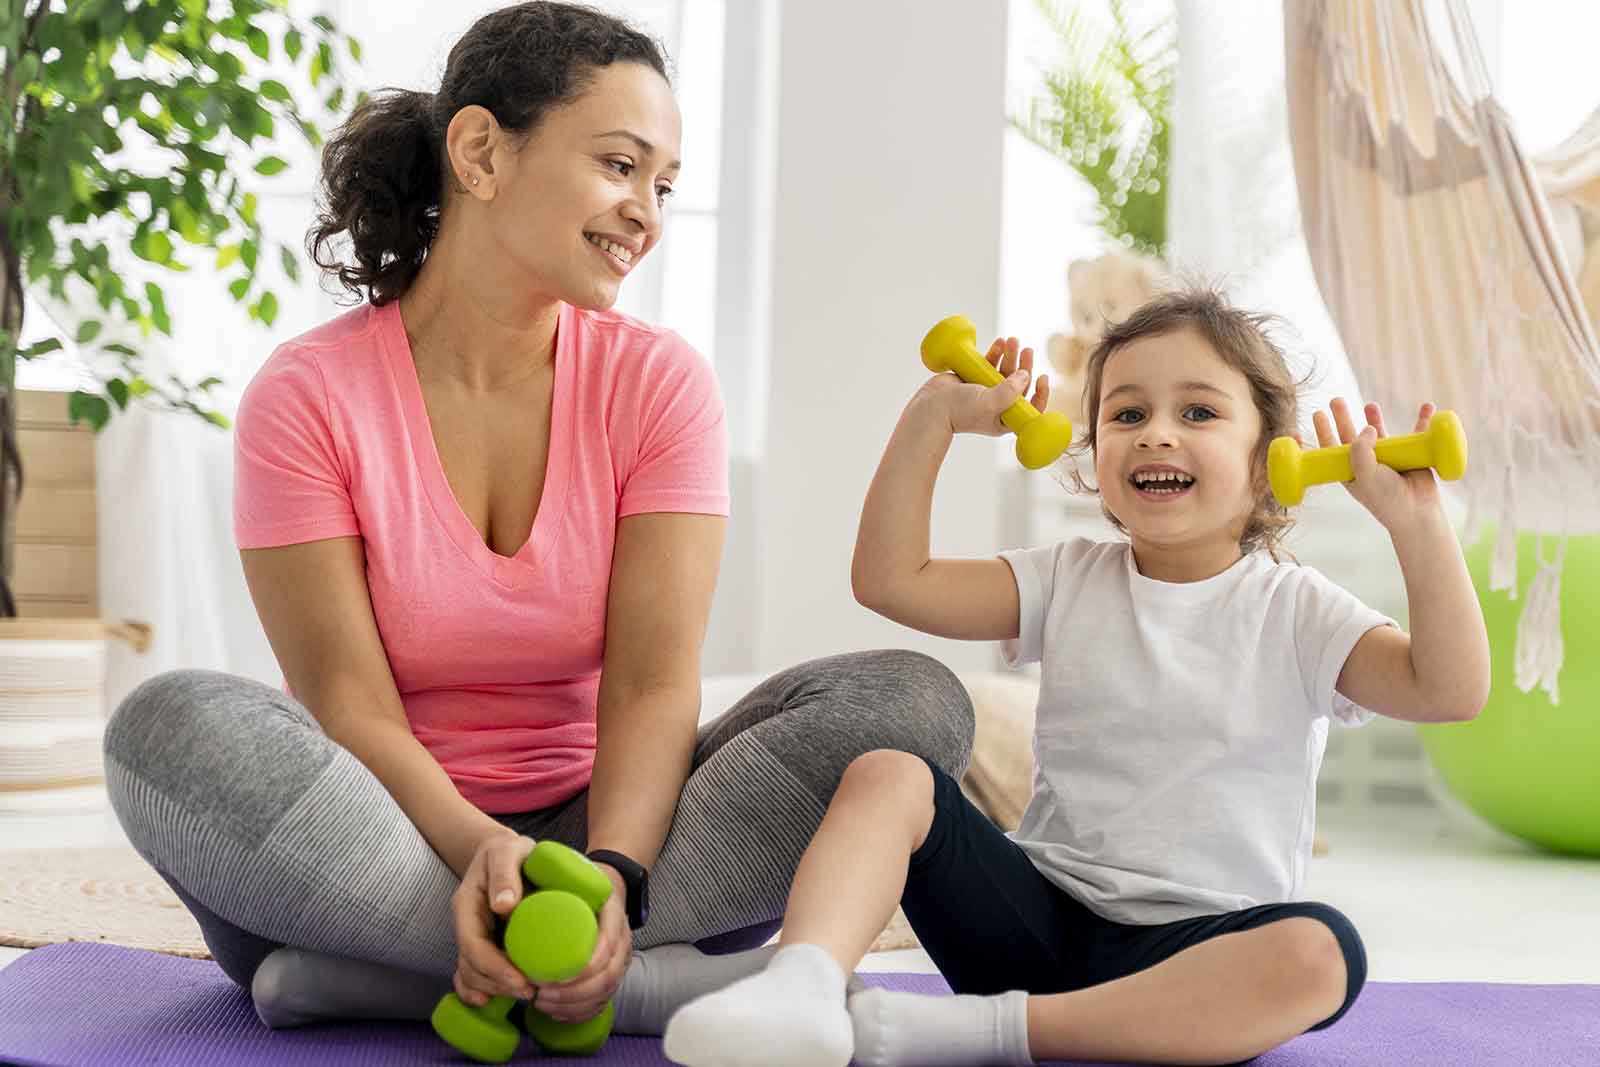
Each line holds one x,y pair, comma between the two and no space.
1242,341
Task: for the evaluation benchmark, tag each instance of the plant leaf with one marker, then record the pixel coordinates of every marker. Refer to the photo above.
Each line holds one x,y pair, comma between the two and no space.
144,144
40,348
158,307
87,407
256,38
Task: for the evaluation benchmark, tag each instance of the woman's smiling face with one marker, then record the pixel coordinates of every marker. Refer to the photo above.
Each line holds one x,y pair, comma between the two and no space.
1176,435
580,203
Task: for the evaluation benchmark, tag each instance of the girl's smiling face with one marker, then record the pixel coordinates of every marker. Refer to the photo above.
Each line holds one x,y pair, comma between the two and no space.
1176,436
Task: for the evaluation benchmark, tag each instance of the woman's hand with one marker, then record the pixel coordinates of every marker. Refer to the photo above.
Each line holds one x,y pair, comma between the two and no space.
584,996
976,408
1395,498
492,886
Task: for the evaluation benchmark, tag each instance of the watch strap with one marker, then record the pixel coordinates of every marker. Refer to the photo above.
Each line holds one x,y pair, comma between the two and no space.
633,878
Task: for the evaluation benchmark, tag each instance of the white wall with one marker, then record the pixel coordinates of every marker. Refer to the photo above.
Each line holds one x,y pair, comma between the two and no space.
887,219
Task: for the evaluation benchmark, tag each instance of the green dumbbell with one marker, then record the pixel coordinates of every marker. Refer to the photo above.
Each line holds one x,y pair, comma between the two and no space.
550,937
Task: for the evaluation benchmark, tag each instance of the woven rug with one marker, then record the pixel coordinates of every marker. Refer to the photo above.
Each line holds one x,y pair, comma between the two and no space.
110,895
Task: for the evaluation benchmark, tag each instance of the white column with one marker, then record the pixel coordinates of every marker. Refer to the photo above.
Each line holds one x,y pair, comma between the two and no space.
887,218
746,192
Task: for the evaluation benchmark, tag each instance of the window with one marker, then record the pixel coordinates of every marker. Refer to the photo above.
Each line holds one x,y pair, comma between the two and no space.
677,286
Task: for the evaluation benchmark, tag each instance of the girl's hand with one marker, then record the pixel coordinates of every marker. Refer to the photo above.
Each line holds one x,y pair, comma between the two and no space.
1396,499
976,408
492,886
584,996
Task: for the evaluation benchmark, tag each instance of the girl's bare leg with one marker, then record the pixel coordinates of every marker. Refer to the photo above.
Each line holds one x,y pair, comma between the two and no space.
1221,1001
851,877
793,1013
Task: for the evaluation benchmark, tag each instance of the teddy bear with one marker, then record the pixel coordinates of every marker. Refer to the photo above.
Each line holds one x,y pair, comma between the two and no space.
1102,290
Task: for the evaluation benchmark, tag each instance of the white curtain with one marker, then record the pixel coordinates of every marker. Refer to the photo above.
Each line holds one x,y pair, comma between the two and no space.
1438,254
166,551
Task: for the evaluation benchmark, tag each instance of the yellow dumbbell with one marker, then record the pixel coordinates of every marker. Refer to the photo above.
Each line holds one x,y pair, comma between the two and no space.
952,346
1442,446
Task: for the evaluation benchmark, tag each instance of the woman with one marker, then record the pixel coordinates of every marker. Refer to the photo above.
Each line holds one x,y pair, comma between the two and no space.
480,518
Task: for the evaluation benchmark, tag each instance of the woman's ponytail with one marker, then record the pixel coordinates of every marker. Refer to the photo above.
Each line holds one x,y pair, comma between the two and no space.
381,185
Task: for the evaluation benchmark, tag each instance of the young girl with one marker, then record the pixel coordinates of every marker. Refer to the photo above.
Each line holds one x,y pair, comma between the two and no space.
1145,908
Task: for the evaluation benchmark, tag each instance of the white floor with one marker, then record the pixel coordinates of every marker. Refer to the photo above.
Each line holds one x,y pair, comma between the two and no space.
1434,900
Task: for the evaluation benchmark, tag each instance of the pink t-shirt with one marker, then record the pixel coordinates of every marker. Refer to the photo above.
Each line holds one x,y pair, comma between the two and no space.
497,659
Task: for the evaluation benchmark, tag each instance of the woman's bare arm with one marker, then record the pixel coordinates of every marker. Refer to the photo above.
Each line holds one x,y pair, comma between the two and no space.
663,573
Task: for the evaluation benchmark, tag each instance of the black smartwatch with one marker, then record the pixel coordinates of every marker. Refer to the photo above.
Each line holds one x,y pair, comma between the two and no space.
634,877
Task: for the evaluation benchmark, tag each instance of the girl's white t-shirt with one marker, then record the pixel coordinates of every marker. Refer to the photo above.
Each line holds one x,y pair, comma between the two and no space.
1180,726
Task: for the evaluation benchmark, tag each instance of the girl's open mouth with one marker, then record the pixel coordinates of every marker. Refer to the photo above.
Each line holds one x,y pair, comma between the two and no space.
1161,485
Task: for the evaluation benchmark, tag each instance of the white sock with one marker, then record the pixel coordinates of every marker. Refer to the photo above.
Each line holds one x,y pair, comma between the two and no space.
893,1029
295,986
663,979
792,1014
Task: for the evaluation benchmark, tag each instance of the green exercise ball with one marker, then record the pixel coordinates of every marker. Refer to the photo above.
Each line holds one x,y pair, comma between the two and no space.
1530,768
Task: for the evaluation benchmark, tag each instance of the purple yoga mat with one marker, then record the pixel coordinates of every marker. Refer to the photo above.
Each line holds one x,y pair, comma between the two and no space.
93,1005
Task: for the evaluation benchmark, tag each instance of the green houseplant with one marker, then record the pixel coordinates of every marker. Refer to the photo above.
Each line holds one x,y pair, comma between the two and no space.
1106,111
126,126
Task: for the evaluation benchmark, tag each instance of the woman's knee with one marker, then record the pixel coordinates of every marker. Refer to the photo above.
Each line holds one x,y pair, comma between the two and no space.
167,705
938,722
815,718
211,746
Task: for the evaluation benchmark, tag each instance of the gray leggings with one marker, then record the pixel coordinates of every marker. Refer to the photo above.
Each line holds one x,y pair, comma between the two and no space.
273,835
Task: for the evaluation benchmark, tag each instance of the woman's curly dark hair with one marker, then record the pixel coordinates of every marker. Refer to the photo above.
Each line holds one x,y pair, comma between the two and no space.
383,170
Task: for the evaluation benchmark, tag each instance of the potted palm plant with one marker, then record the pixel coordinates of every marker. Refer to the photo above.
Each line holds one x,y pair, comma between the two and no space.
126,134
1106,112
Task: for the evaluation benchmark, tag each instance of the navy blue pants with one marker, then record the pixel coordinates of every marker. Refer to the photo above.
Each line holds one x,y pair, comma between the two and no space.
992,922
